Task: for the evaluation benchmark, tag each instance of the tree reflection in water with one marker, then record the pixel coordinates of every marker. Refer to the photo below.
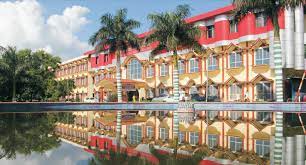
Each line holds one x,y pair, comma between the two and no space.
24,133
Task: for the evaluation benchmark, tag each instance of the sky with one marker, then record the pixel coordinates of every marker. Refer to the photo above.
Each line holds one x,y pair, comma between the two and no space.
63,27
66,154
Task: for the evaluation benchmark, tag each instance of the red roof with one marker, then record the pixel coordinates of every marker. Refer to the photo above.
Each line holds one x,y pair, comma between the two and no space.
210,14
193,19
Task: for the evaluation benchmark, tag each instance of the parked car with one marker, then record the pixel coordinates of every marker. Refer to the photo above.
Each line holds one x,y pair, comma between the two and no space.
91,100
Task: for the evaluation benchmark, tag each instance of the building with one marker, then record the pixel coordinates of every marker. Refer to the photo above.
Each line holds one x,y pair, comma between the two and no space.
238,65
76,69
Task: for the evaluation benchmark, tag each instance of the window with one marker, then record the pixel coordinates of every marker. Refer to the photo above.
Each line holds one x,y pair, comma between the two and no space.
150,71
263,147
193,138
163,133
264,116
212,141
210,31
106,58
181,67
235,144
163,91
134,69
134,134
262,56
213,90
150,133
97,59
181,137
163,69
96,78
263,91
233,26
261,20
212,115
101,76
236,115
212,63
106,145
193,65
235,92
235,59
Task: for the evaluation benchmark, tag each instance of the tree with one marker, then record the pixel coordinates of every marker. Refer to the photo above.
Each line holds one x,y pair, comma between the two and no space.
172,32
26,75
12,67
271,9
22,133
116,34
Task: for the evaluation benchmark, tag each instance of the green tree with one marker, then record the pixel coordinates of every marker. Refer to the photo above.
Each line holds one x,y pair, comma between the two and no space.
22,133
172,32
27,75
12,67
116,34
271,9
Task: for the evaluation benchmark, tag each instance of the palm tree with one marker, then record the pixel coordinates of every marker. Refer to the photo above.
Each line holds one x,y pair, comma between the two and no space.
271,9
116,34
11,66
171,31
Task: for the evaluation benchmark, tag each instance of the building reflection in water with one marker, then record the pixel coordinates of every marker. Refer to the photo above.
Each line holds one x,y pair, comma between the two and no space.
225,138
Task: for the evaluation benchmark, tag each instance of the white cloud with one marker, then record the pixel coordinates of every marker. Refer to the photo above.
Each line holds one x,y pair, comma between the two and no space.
23,25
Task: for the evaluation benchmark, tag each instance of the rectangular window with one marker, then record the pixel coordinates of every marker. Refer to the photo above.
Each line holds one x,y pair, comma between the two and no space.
210,31
134,134
262,56
101,76
235,59
233,26
97,59
212,115
193,138
106,58
163,69
150,71
235,144
236,115
163,92
212,141
193,65
150,132
264,116
235,92
212,63
263,147
263,91
212,91
163,134
181,137
261,20
181,67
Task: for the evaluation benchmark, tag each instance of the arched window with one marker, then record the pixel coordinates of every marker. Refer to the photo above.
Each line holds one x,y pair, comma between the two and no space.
134,69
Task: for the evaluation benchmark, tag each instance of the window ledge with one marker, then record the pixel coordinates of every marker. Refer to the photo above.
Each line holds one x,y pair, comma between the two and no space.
261,68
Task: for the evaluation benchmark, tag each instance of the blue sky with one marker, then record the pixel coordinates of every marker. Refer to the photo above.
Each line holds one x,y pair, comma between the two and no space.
137,9
63,27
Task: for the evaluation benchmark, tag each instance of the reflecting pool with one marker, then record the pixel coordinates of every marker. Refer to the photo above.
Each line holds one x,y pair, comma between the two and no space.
147,137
